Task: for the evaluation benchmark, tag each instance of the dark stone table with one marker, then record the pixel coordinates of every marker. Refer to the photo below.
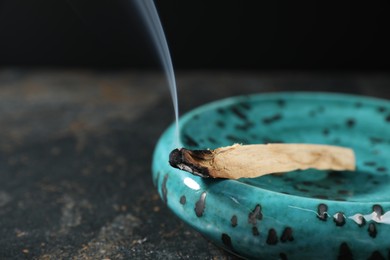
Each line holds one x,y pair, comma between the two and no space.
76,150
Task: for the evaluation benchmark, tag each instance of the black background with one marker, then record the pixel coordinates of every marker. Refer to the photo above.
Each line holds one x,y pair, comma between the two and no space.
76,147
342,35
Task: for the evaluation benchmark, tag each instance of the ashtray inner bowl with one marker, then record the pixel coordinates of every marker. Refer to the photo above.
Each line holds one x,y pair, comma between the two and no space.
282,214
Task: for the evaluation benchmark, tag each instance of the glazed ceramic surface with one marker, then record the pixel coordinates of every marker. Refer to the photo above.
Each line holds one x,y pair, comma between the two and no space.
315,214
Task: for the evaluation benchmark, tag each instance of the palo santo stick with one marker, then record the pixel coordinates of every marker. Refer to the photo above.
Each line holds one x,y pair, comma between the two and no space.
249,161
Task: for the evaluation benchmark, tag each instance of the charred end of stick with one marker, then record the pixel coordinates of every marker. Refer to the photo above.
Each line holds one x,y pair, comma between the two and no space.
175,158
191,161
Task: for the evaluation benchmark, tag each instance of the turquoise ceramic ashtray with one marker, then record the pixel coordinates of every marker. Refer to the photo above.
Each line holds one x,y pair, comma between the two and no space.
314,214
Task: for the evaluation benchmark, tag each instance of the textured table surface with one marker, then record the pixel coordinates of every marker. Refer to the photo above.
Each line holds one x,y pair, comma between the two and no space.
76,150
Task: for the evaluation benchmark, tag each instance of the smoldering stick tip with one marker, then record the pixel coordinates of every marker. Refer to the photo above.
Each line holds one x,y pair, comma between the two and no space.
176,157
190,161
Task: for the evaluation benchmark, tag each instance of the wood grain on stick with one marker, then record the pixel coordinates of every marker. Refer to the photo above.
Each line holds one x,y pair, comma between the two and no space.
250,161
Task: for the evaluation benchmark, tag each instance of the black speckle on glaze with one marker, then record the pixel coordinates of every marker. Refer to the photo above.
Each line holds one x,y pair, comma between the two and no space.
307,183
212,140
339,219
322,212
236,111
376,255
287,235
246,106
220,124
350,122
200,205
267,140
343,192
340,199
183,200
227,241
321,186
272,238
255,231
244,127
255,215
283,256
325,132
358,104
375,182
378,210
372,230
381,109
320,196
164,189
376,140
381,169
233,221
369,163
388,118
221,111
281,102
189,140
272,119
345,252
